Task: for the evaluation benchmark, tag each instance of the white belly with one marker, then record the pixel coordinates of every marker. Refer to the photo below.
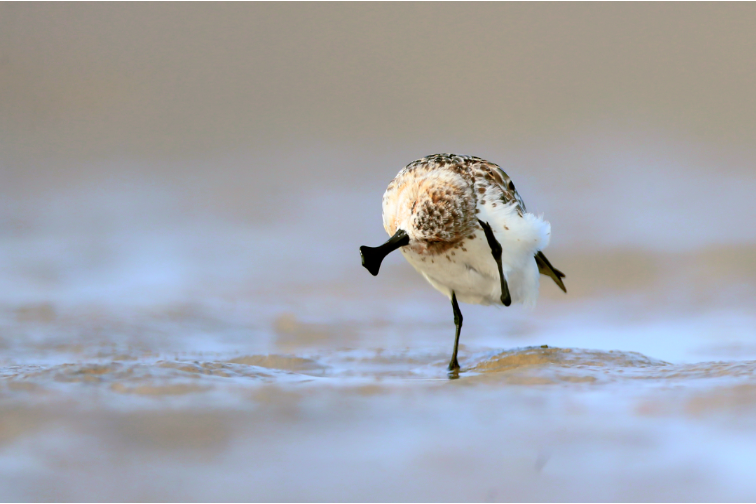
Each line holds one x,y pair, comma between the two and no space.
473,275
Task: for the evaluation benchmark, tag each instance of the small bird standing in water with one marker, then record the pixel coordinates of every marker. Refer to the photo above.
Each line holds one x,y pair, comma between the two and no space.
460,222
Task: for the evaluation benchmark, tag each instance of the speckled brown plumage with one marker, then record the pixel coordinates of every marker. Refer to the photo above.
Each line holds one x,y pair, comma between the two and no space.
444,215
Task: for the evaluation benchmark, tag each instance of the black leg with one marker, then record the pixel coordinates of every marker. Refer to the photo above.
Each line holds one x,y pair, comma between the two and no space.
373,256
453,364
496,251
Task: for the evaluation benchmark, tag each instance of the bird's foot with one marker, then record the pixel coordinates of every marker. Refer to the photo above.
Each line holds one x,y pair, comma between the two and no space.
453,369
373,256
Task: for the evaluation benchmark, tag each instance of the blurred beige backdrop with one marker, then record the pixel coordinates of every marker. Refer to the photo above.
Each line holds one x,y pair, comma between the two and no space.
85,82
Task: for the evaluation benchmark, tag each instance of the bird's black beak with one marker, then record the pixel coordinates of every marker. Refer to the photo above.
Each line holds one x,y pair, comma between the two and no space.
372,257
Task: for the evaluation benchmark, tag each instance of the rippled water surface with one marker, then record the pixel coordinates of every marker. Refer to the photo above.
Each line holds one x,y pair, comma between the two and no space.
150,354
233,390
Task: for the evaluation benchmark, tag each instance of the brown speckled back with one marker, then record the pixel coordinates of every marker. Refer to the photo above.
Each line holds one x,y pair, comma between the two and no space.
436,199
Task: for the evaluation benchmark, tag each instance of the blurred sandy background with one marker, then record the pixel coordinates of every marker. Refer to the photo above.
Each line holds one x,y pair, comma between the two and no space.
183,189
629,126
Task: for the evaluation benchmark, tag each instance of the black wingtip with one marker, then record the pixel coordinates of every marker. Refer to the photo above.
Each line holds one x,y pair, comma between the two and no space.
492,241
545,268
371,259
558,279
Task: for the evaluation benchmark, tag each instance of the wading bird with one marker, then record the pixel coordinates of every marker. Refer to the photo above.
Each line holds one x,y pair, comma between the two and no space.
460,222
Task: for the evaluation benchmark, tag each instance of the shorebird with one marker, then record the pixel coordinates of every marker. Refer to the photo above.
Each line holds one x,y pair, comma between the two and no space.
459,221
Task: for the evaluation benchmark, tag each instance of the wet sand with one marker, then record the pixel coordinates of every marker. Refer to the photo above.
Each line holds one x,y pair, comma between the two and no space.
244,396
150,353
527,424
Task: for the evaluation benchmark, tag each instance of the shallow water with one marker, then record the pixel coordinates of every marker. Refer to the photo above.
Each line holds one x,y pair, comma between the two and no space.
149,353
375,424
250,388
